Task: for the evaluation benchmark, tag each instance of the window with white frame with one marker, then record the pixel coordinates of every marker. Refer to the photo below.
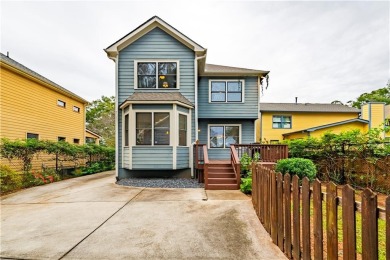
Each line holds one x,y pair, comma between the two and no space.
226,91
182,130
152,128
222,136
127,130
152,75
281,122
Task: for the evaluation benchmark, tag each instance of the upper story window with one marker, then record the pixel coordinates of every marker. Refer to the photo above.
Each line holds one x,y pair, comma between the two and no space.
226,91
76,109
61,103
387,122
153,75
281,122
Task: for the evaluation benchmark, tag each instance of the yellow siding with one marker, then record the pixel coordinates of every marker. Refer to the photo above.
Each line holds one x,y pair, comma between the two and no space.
377,115
299,121
88,134
27,106
365,112
334,129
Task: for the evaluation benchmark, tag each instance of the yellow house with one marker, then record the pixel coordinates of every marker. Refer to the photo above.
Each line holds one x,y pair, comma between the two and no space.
32,106
281,121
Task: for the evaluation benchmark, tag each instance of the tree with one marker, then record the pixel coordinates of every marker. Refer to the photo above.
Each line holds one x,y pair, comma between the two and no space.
379,95
100,118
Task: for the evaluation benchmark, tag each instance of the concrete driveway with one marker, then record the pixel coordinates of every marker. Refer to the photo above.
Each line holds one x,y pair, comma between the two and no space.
93,218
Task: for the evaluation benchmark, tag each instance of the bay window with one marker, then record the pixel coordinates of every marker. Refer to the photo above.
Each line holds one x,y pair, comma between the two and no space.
152,128
182,130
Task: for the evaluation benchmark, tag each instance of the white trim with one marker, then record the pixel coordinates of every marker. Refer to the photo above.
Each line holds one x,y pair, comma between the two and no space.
224,125
131,133
156,61
174,132
258,108
116,60
226,92
123,135
154,102
189,144
147,27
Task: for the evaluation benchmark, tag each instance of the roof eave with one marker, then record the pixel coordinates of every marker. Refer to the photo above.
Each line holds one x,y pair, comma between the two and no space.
227,74
146,27
127,102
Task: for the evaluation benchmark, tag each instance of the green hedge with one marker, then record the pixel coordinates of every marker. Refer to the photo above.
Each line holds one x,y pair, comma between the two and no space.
297,166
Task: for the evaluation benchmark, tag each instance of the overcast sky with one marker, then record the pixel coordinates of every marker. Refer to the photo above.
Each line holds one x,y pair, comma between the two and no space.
317,51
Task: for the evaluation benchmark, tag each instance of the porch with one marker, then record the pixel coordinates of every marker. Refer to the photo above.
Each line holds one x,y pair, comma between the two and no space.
225,174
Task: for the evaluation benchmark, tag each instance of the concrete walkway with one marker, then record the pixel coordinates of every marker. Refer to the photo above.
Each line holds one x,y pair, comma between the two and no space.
93,218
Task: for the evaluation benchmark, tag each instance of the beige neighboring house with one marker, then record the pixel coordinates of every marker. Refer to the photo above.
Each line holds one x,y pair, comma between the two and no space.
91,137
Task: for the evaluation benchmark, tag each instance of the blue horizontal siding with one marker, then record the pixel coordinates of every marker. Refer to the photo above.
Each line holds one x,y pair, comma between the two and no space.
247,135
126,155
152,158
182,159
248,109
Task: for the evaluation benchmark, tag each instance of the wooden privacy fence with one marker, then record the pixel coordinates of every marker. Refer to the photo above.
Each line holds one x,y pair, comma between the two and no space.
284,208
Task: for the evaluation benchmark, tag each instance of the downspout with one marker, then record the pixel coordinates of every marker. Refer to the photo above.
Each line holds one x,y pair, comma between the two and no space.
116,60
196,110
196,94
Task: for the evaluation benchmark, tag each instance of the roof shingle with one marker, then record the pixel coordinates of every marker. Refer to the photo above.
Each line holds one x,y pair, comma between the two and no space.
306,107
159,96
221,70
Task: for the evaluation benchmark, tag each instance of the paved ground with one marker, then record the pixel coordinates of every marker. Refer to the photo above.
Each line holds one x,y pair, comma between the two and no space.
93,218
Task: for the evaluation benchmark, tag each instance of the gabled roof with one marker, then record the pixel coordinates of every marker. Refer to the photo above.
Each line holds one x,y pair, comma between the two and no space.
157,98
219,70
306,107
16,66
312,129
155,21
92,133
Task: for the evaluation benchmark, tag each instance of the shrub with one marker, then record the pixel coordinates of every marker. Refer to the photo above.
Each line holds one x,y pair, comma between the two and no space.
246,184
9,179
297,166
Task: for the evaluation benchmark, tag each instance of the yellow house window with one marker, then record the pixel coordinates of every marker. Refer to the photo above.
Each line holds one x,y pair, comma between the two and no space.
32,136
61,103
76,109
76,141
281,122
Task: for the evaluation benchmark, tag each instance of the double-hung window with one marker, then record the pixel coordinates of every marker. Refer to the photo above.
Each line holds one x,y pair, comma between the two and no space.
152,75
226,91
182,130
222,136
152,128
281,122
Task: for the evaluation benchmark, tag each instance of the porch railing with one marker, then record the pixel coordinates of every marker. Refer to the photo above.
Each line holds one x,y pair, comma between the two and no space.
235,161
201,161
268,152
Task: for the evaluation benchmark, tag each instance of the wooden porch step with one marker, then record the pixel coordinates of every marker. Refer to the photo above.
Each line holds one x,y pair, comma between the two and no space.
222,175
220,169
220,165
222,181
222,187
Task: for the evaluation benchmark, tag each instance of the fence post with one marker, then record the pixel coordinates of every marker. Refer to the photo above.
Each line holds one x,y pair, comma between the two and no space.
296,218
369,225
287,214
349,225
280,210
388,227
306,218
317,220
274,210
331,221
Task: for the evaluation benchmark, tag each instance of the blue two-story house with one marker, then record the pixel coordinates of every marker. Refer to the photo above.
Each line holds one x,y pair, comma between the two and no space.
168,98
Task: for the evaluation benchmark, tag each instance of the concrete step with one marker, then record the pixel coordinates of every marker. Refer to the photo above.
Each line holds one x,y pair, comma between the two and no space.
222,181
221,187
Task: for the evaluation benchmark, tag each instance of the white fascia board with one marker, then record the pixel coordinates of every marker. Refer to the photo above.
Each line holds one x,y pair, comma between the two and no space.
141,31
